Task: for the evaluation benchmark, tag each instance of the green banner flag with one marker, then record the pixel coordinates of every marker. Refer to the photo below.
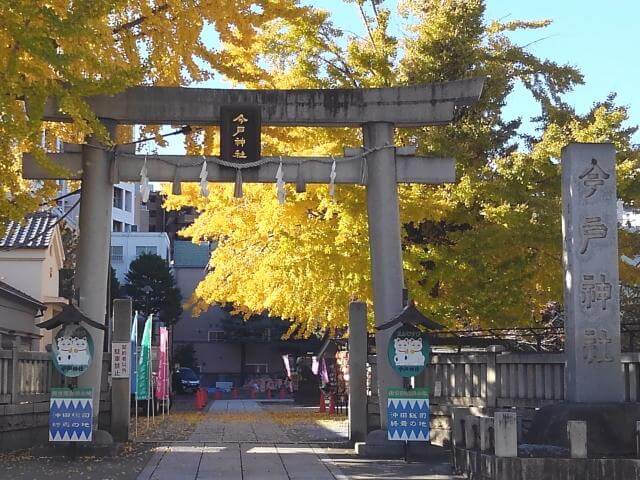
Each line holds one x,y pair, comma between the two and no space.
144,363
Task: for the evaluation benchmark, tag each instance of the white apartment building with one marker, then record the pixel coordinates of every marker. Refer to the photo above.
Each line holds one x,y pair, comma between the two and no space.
123,213
127,246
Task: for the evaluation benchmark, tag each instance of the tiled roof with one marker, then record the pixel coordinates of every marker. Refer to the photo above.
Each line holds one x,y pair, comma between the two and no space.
14,292
188,254
36,232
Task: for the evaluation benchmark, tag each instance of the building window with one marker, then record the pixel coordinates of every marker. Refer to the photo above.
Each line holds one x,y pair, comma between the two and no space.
216,335
146,250
117,197
117,226
128,201
117,254
266,335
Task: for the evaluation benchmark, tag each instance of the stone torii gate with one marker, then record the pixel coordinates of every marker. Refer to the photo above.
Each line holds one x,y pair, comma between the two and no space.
376,111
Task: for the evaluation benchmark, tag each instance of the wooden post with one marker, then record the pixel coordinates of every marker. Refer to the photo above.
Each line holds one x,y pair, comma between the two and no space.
492,375
15,375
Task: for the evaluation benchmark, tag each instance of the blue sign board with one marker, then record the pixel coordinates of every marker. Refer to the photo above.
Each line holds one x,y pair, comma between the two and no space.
70,415
408,414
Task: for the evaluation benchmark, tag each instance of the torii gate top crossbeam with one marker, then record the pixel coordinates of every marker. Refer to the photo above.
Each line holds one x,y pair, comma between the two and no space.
428,104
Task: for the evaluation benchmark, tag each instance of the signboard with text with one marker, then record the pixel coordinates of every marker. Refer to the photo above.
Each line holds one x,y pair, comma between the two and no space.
70,415
240,133
408,414
120,360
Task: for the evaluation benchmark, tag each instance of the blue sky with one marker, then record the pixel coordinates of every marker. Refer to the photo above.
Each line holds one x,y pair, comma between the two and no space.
599,38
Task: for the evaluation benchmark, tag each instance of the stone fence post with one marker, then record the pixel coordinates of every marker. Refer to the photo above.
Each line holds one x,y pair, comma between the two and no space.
121,387
506,434
357,371
577,432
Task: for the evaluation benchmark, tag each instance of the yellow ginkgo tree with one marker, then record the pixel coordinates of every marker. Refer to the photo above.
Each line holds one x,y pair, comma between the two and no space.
67,50
485,251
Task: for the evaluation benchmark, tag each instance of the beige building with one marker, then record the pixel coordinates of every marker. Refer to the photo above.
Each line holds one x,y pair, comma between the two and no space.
31,256
19,314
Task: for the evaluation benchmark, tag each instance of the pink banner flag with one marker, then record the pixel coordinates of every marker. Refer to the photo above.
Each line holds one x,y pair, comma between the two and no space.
324,373
162,386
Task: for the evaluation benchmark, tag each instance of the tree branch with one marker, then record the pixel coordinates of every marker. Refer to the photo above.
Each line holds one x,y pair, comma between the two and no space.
139,20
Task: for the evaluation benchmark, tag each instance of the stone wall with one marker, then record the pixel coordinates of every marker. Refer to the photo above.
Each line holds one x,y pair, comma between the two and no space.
491,381
26,379
480,466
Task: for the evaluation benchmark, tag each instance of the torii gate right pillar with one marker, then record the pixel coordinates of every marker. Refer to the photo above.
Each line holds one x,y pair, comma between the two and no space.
385,247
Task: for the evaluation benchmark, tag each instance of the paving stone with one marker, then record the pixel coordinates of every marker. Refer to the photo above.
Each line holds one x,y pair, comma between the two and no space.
220,462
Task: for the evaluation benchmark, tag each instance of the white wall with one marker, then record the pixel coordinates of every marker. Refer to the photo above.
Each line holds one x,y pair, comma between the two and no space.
124,211
23,269
130,241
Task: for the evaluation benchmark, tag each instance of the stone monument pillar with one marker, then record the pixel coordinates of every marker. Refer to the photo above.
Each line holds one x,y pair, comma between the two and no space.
591,287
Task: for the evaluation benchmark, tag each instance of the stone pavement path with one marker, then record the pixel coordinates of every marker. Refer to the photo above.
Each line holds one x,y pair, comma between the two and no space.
237,451
262,450
214,430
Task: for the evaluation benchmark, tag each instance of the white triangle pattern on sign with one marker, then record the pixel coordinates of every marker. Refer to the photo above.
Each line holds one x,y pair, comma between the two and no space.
409,402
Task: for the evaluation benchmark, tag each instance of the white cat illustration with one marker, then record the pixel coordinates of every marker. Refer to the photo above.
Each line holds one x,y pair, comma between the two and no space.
408,351
73,351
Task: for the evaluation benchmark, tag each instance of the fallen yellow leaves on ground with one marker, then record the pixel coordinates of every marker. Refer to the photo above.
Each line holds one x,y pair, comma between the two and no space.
175,426
282,417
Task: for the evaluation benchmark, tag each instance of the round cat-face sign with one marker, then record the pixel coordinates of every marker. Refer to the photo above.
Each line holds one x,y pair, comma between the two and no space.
408,351
72,350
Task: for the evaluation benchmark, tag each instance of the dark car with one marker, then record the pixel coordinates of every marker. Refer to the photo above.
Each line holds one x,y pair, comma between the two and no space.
188,381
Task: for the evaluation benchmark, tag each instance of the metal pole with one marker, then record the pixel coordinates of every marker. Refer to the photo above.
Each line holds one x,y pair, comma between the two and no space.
93,252
385,247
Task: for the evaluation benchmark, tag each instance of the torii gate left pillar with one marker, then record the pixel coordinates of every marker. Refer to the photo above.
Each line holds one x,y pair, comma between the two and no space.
378,111
92,269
